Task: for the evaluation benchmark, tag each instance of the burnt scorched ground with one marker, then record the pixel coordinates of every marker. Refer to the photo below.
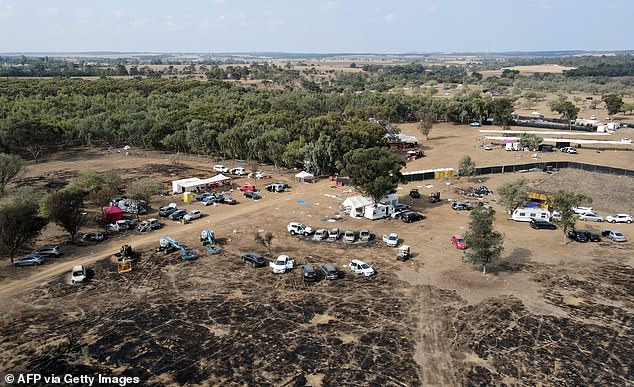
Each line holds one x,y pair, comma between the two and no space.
233,325
503,342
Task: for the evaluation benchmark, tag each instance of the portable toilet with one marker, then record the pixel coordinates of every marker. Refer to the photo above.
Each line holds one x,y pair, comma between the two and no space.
188,197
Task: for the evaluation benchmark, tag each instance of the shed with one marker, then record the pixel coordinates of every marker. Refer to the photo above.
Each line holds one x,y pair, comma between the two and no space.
112,214
303,176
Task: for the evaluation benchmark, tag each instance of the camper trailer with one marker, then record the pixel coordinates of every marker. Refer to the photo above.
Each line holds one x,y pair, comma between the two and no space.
379,212
512,146
527,214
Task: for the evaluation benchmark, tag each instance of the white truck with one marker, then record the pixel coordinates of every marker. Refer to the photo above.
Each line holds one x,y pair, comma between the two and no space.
282,264
295,228
391,240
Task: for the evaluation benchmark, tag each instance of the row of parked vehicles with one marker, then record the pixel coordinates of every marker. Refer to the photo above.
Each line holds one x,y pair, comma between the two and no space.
333,234
171,212
37,257
239,171
593,236
310,273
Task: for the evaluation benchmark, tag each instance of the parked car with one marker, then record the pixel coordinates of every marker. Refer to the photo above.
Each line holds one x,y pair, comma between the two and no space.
78,274
282,264
360,267
32,259
487,147
228,200
247,187
591,216
49,251
414,194
349,236
410,216
616,236
257,175
149,225
252,195
253,259
618,218
391,240
309,274
275,187
539,224
177,215
294,228
400,207
221,168
96,236
476,124
204,196
119,226
592,236
569,150
167,211
239,171
582,210
578,236
459,206
334,234
211,200
320,234
195,214
458,241
364,235
626,140
329,271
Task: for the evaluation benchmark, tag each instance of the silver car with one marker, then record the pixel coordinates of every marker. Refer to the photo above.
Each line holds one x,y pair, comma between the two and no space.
49,251
32,259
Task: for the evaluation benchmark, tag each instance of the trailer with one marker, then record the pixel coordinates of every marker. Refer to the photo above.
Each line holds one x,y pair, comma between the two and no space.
524,214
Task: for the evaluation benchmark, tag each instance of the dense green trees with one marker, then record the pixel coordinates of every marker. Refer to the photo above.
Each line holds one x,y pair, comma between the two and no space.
613,103
513,194
20,222
10,167
65,208
374,171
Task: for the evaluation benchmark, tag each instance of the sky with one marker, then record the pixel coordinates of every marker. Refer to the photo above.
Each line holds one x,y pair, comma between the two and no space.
319,26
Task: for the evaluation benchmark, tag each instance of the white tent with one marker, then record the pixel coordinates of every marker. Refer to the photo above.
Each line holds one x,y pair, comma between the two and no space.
356,205
303,176
179,186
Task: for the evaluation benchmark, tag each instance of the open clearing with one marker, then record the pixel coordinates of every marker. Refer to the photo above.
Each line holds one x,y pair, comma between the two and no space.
548,313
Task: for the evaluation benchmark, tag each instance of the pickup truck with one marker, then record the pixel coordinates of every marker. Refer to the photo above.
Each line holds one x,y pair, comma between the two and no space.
391,240
282,264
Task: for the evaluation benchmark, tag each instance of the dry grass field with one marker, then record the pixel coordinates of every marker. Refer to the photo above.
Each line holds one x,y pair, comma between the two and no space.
548,313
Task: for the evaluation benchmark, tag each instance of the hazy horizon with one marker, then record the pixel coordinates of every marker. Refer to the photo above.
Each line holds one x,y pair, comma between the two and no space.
322,27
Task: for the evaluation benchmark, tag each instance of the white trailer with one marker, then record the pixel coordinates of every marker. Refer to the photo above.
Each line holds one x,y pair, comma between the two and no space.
379,211
527,214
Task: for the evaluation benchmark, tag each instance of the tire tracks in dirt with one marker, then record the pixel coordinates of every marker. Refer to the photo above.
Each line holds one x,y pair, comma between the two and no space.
104,251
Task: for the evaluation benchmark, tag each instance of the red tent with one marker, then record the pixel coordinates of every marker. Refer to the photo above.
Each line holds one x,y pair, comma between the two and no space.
112,214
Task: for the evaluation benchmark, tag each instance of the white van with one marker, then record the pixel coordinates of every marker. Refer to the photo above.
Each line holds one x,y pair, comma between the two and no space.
78,274
527,214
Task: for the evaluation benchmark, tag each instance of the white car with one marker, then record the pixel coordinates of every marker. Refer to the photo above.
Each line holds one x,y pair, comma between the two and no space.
616,236
78,274
618,218
349,236
191,215
626,140
591,216
569,150
239,171
360,267
582,210
282,264
294,228
320,234
391,240
221,168
333,234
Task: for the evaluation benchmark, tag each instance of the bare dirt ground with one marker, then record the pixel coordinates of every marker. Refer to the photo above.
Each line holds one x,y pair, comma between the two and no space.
529,70
548,312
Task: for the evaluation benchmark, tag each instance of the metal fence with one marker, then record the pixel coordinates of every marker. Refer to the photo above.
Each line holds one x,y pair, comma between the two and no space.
542,166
